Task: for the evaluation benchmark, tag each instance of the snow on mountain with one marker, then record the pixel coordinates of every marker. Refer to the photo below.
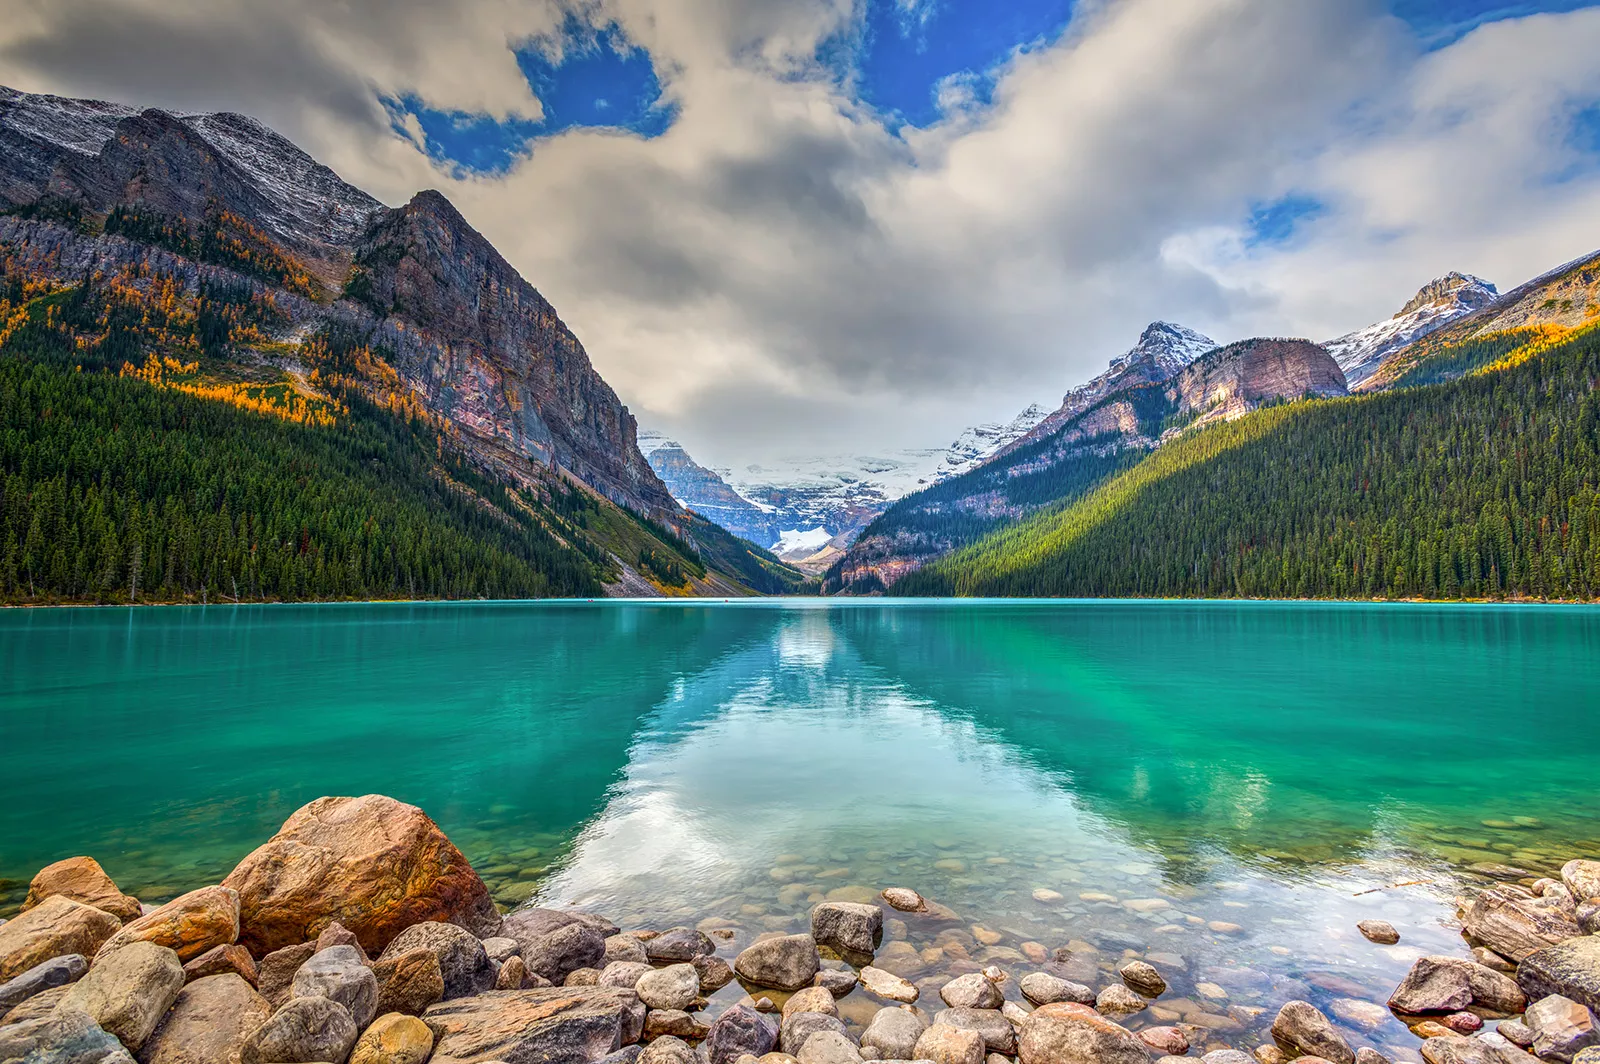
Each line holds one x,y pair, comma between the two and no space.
1438,303
1164,350
801,541
981,442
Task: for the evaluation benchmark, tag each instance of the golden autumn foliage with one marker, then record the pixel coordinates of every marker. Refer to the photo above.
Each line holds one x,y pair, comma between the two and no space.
279,400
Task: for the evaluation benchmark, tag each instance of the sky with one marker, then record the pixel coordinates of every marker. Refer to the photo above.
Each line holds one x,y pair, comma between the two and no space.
788,227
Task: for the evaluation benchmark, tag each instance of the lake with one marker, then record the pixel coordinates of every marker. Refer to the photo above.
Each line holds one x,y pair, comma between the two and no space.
1223,787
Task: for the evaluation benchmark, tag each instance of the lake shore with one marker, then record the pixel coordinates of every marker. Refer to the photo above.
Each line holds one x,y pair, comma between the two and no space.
360,933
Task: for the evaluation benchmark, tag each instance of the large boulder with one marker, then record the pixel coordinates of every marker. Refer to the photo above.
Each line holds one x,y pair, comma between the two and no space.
463,961
829,1047
83,880
338,974
373,864
787,962
1450,984
1301,1026
56,927
64,1038
1515,926
1571,969
849,926
740,1030
189,925
1561,1027
409,982
893,1032
47,975
1068,1033
208,1022
550,1025
306,1030
128,991
394,1039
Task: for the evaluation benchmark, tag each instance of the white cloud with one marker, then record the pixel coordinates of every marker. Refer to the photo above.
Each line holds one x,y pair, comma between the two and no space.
779,268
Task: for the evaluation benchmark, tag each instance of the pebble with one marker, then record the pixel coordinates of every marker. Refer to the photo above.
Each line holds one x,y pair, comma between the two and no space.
905,900
1117,1000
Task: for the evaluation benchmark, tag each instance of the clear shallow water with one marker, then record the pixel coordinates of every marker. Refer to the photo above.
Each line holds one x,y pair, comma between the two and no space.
1214,764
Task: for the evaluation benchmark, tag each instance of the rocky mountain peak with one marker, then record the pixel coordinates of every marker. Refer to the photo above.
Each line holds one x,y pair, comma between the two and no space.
1460,289
1166,345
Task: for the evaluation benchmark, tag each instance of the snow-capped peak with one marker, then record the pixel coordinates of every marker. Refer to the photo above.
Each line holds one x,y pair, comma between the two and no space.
1171,347
651,441
1435,305
981,442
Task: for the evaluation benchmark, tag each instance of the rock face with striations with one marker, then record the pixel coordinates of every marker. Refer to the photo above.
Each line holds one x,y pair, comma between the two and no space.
373,864
1236,379
469,338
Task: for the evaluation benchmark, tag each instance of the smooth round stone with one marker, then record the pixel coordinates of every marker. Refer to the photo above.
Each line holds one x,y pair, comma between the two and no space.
1042,988
673,987
1048,896
1380,931
811,999
972,991
1118,1000
394,1039
887,985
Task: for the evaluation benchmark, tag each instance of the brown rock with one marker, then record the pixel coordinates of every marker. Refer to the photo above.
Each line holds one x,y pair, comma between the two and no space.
523,1026
83,880
55,927
1069,1033
1449,984
1514,926
944,1044
276,971
409,982
1167,1040
188,925
128,991
1379,931
221,959
208,1022
336,934
304,1029
673,1023
811,999
1571,969
513,974
394,1039
373,864
1561,1027
1302,1026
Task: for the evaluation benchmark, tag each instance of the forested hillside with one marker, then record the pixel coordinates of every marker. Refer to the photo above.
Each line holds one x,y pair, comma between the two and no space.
1487,486
144,458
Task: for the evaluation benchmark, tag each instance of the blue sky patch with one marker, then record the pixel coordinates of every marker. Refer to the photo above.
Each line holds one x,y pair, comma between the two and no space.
1443,22
1275,223
600,82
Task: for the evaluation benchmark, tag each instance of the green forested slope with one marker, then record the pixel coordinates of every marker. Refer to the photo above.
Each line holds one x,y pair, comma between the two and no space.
1483,487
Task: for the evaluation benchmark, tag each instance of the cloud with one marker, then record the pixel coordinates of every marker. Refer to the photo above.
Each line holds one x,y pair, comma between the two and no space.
782,270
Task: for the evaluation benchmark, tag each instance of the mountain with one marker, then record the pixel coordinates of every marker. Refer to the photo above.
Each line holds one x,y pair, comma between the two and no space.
1098,425
1484,486
1163,350
706,493
1437,304
1541,310
206,255
978,444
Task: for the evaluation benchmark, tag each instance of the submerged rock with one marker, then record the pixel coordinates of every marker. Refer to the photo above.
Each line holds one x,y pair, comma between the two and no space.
887,985
1379,931
1301,1026
375,865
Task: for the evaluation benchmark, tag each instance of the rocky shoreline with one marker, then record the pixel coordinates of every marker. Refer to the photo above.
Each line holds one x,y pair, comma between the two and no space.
359,934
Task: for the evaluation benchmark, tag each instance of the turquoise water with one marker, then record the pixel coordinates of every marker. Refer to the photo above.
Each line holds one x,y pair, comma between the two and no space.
1230,764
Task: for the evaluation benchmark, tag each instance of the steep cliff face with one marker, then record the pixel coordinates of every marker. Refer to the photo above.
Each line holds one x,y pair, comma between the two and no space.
221,197
705,492
488,352
1239,378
